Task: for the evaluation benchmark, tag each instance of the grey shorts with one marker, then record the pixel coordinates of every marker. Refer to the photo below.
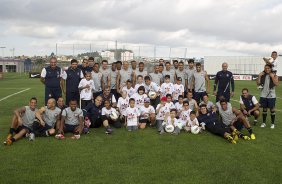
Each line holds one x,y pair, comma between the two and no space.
132,128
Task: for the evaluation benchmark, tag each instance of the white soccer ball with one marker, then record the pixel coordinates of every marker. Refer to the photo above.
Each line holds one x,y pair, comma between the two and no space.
114,115
195,129
169,128
152,94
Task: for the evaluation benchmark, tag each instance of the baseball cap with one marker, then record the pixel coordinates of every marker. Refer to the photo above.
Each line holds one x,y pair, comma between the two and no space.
179,78
164,99
147,100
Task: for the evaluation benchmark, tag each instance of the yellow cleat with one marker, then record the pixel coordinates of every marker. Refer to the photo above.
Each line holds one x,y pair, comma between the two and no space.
235,137
253,137
245,137
8,142
230,139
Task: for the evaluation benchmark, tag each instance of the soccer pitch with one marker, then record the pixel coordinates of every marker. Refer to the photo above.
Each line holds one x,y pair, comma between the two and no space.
136,157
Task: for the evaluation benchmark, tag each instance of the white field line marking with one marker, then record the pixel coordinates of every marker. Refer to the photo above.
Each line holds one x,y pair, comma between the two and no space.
279,110
12,88
14,94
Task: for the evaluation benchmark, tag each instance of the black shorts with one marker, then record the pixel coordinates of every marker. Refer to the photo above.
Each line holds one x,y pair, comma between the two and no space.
40,130
23,127
225,94
238,125
70,128
144,121
267,102
218,128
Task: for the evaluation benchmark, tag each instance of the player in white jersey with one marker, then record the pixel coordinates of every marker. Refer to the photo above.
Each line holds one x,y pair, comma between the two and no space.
178,105
87,87
139,97
128,88
139,82
184,113
106,73
132,116
208,103
167,87
161,112
170,119
152,87
156,76
107,110
178,89
123,103
192,121
22,122
48,119
169,102
147,114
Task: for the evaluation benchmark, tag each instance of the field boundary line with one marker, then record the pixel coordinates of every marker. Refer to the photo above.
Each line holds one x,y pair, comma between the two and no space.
14,94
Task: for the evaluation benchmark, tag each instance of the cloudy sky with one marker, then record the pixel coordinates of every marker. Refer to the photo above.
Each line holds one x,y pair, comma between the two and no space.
204,27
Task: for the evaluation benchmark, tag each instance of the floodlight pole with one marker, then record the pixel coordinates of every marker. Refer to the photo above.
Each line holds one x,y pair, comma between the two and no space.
3,51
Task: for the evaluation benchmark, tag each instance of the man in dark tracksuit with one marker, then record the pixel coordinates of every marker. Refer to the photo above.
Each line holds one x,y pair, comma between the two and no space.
224,79
51,77
72,77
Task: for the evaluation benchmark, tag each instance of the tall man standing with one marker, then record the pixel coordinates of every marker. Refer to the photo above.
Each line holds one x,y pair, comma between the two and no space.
189,74
268,80
51,77
106,75
224,79
72,78
198,83
169,71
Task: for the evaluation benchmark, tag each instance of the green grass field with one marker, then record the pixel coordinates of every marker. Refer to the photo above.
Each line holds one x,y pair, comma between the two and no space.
137,157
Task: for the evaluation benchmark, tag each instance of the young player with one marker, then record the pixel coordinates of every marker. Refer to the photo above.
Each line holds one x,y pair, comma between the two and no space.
140,82
178,89
161,111
169,102
152,87
22,122
167,87
178,105
272,61
132,116
139,97
87,87
170,119
147,114
48,117
71,121
184,113
129,89
107,110
192,121
123,103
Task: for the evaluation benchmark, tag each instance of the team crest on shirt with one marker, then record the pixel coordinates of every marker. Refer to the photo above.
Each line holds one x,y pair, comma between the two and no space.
75,114
58,74
227,75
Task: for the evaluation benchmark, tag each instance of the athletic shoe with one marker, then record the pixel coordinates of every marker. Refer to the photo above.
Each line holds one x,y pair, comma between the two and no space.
109,130
8,142
230,139
86,130
27,135
260,87
75,136
235,136
272,126
60,136
245,137
263,125
253,137
31,137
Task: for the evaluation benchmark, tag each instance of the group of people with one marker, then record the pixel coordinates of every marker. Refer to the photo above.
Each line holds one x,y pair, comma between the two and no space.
173,98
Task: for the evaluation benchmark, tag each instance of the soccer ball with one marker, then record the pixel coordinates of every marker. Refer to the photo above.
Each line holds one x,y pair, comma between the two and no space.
195,129
114,115
152,94
169,128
